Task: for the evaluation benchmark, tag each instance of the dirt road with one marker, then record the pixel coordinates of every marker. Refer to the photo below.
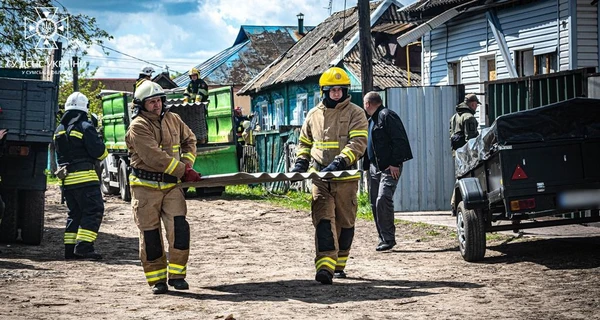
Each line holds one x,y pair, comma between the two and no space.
254,261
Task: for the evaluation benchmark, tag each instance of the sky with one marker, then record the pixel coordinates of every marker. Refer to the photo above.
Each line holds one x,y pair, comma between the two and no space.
181,34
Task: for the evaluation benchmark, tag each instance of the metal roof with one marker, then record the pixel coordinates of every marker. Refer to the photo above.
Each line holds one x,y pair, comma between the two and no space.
313,54
254,48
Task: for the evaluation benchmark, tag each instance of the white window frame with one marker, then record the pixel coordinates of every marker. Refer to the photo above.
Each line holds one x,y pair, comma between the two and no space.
278,105
451,74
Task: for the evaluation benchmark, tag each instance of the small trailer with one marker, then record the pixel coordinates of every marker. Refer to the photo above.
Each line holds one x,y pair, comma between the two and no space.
534,168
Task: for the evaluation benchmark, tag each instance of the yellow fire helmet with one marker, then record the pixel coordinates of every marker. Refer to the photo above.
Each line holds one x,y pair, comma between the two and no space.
334,77
194,71
149,89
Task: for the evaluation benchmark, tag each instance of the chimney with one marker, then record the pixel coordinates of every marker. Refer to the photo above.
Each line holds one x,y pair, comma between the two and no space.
300,17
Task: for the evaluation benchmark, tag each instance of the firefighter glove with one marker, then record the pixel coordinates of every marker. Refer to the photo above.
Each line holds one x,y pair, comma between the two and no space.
301,165
198,98
190,174
336,165
185,100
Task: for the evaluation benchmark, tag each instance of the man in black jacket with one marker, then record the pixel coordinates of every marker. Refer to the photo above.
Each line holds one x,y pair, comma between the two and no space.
387,149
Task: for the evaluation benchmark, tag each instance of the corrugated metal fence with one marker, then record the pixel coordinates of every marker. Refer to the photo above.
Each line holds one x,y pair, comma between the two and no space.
427,180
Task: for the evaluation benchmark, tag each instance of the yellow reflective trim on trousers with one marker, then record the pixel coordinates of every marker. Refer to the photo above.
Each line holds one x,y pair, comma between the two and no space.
172,166
152,276
303,151
80,177
341,261
104,155
135,181
348,152
70,238
305,140
86,235
190,156
58,134
177,268
358,133
325,261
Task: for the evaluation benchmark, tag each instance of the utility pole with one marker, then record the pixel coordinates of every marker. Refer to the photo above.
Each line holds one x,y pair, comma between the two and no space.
75,74
364,41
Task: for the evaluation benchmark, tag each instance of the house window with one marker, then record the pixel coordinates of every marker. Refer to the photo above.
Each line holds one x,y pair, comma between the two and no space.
454,72
545,63
316,98
524,62
279,113
263,106
300,110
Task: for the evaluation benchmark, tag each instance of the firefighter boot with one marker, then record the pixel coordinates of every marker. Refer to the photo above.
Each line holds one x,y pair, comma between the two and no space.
339,274
160,288
324,277
179,284
85,250
70,252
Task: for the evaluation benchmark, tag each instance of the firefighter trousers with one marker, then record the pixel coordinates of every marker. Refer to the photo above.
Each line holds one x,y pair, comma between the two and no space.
334,206
150,207
86,209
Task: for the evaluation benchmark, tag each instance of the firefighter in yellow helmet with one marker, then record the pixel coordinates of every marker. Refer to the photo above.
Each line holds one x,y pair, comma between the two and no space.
163,151
197,89
333,137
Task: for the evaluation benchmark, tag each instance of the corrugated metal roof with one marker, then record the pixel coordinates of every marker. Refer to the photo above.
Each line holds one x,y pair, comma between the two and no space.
312,55
254,48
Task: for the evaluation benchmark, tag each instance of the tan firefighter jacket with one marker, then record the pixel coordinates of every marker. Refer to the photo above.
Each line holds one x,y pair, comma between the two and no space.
162,145
330,132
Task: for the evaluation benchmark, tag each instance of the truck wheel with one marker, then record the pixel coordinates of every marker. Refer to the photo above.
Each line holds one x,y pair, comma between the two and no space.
105,180
8,226
124,182
32,216
470,228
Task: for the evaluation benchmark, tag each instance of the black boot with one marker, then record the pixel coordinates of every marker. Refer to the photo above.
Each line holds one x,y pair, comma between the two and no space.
324,277
179,284
160,288
85,250
70,252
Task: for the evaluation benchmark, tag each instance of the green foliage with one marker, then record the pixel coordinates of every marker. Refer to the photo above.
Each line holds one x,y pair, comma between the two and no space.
87,86
16,44
364,207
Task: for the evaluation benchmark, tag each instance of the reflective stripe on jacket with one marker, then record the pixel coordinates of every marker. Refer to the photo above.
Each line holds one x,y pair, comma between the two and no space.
330,132
160,144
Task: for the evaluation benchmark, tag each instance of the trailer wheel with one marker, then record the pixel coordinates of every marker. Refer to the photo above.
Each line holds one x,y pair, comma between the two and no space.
470,228
105,180
124,182
8,226
32,216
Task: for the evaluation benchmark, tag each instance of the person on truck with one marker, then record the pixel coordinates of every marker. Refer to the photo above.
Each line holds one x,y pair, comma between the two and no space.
78,146
239,119
162,151
463,126
145,74
334,137
197,89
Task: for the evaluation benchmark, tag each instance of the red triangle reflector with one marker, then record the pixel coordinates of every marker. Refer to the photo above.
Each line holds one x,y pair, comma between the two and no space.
519,173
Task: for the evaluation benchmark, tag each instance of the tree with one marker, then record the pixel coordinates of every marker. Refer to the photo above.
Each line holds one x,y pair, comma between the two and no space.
88,86
18,42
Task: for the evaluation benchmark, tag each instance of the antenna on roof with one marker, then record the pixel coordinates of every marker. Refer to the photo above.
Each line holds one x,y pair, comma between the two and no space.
330,6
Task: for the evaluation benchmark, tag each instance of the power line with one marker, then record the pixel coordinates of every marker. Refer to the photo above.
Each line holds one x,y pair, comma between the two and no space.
136,58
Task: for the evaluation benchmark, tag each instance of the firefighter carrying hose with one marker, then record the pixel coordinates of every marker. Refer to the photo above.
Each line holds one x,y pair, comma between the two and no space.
78,146
334,137
163,151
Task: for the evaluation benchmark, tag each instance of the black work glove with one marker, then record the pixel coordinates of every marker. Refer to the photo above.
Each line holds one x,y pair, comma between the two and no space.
336,165
301,165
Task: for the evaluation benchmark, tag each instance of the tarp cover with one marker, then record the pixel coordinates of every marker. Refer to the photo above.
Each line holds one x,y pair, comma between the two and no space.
571,119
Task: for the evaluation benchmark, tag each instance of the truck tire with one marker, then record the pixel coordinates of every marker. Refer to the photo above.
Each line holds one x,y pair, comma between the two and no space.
124,182
470,229
31,216
8,226
105,180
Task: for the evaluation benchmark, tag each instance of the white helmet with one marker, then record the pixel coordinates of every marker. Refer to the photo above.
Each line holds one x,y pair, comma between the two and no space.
77,101
149,89
147,71
246,124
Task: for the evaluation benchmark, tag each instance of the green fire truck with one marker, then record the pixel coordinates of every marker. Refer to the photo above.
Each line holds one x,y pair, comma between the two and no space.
211,122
